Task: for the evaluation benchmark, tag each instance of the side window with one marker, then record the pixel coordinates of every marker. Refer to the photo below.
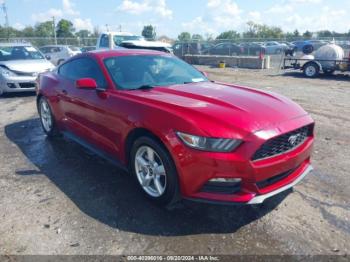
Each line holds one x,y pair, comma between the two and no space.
44,50
104,41
83,68
177,46
218,47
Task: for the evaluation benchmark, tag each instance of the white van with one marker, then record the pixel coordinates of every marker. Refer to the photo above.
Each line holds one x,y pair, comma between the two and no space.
114,40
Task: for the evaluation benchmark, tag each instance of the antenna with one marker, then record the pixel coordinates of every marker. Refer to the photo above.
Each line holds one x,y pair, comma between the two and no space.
7,24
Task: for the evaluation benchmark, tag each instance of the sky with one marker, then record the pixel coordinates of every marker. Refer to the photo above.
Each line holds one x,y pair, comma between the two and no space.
172,17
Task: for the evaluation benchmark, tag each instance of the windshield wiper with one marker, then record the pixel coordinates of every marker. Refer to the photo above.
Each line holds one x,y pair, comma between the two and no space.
143,87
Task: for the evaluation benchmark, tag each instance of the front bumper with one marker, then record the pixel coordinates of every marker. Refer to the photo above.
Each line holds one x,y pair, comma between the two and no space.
260,179
18,84
261,198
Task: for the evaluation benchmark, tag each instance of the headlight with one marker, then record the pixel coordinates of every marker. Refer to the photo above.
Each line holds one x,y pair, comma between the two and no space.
209,144
5,72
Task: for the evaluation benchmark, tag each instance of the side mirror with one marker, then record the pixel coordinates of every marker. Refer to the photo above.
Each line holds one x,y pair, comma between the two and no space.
48,57
86,83
204,73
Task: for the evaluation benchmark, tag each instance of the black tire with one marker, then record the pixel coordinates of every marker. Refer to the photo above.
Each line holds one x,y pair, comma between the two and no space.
171,194
53,132
308,49
311,70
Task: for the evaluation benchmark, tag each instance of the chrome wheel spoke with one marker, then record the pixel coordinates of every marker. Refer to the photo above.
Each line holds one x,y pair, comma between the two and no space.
158,185
160,170
150,154
46,117
141,161
146,180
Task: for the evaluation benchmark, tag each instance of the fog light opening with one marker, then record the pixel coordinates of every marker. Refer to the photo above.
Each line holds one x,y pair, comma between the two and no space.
226,180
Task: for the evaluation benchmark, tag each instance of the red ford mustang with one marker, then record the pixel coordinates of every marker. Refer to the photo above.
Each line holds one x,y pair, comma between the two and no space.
179,134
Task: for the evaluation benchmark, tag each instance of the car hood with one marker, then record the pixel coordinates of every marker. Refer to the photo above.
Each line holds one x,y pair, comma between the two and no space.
28,66
213,106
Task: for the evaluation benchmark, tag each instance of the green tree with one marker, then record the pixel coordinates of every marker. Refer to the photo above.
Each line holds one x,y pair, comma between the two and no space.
307,34
229,35
209,37
83,33
6,32
65,28
197,37
44,29
184,36
149,32
296,33
251,31
28,31
262,31
325,33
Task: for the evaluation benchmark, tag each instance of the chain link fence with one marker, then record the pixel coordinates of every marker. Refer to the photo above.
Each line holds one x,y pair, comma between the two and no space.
42,41
243,47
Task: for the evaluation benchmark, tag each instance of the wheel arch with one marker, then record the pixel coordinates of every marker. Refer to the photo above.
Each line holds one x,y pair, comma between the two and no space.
312,62
136,133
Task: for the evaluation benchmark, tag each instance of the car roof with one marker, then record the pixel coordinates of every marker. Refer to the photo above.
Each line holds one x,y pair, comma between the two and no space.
15,44
54,46
118,33
102,54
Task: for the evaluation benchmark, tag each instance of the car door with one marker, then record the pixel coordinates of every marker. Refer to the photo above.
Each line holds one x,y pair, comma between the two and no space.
80,106
219,50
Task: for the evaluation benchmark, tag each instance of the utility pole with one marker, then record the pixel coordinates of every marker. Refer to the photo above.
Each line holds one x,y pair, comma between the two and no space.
120,28
54,29
107,27
7,24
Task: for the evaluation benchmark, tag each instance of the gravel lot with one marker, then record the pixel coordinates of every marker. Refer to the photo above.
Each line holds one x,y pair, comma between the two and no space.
56,198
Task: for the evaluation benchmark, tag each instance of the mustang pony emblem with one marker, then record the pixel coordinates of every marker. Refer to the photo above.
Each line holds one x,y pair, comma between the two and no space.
293,139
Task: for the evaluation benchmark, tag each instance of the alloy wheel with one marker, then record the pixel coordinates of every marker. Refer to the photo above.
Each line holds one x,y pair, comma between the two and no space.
45,115
150,171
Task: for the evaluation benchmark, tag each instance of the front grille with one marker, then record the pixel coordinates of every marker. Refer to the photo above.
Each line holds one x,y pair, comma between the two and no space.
283,143
24,73
27,85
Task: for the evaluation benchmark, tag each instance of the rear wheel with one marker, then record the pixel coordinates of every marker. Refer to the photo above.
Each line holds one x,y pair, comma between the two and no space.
154,170
46,118
311,70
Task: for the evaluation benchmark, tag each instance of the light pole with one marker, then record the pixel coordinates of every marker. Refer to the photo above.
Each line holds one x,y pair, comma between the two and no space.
54,29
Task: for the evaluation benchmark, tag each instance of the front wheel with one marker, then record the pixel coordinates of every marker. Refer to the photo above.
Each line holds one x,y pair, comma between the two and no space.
47,119
154,170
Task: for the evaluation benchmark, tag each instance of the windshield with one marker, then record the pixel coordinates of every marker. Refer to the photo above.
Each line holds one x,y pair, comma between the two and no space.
137,71
118,39
8,53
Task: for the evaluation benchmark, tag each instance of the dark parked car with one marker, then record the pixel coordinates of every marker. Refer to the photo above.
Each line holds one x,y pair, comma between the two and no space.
197,48
87,49
308,46
225,49
252,49
290,50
